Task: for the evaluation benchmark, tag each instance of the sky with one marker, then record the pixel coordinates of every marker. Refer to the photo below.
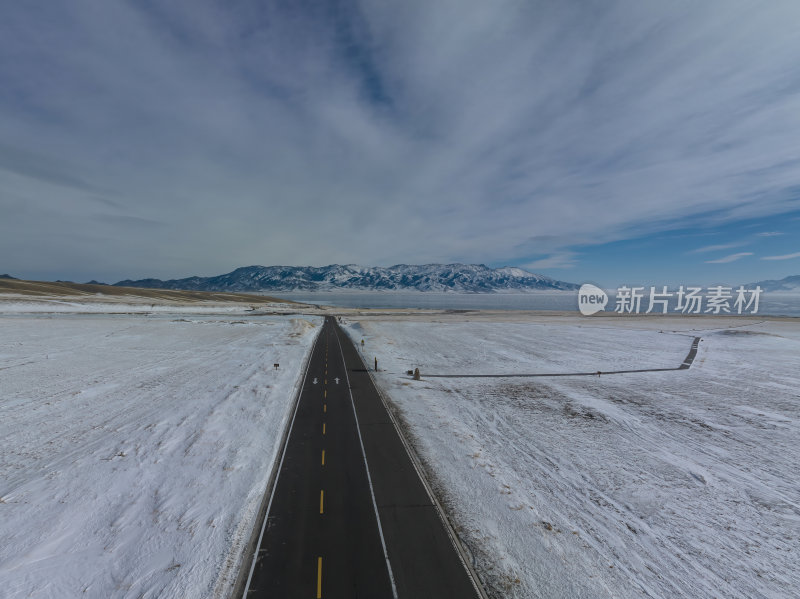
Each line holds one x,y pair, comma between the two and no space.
605,141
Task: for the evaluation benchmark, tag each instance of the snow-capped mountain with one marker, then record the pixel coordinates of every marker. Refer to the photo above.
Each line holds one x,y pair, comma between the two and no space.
786,284
470,278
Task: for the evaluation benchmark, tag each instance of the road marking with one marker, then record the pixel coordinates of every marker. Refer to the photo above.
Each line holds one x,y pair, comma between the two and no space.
323,428
314,381
324,407
319,578
321,497
369,478
325,394
326,381
280,467
323,457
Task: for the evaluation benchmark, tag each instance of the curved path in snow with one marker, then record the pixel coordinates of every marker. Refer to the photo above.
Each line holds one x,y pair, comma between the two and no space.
685,365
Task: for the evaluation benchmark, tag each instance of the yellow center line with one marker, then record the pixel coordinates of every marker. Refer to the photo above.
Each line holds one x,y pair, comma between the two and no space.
326,381
321,496
319,578
325,393
324,407
323,428
323,457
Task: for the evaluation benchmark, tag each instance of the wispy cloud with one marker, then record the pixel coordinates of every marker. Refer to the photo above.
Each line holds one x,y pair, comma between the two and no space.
731,258
718,247
770,234
783,257
557,260
127,220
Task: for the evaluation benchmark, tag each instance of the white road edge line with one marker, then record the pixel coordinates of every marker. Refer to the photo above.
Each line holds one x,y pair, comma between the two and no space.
280,465
366,466
461,550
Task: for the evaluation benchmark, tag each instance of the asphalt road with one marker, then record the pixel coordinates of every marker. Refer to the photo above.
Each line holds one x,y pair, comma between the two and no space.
349,516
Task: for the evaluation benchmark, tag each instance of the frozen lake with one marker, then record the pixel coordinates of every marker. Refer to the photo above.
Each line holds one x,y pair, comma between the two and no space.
773,304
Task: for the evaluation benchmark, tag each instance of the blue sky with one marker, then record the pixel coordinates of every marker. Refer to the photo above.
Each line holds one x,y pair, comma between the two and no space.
737,252
613,141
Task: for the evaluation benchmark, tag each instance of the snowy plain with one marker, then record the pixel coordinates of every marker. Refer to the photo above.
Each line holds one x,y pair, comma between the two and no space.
135,449
658,484
123,307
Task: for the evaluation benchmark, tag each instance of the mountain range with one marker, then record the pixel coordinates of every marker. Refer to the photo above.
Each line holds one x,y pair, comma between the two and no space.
464,278
786,284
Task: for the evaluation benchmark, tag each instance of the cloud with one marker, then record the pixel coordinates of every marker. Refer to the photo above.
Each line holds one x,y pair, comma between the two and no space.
731,258
783,257
718,247
770,234
558,260
307,133
40,168
127,220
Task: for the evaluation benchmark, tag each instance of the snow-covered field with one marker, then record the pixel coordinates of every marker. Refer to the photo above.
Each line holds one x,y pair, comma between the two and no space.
77,307
135,450
659,484
106,305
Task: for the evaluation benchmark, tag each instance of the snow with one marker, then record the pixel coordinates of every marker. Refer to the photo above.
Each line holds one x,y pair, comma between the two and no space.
427,277
136,449
9,305
659,484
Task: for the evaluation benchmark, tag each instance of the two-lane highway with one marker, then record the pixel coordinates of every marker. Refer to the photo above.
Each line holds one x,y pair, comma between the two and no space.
322,537
349,516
